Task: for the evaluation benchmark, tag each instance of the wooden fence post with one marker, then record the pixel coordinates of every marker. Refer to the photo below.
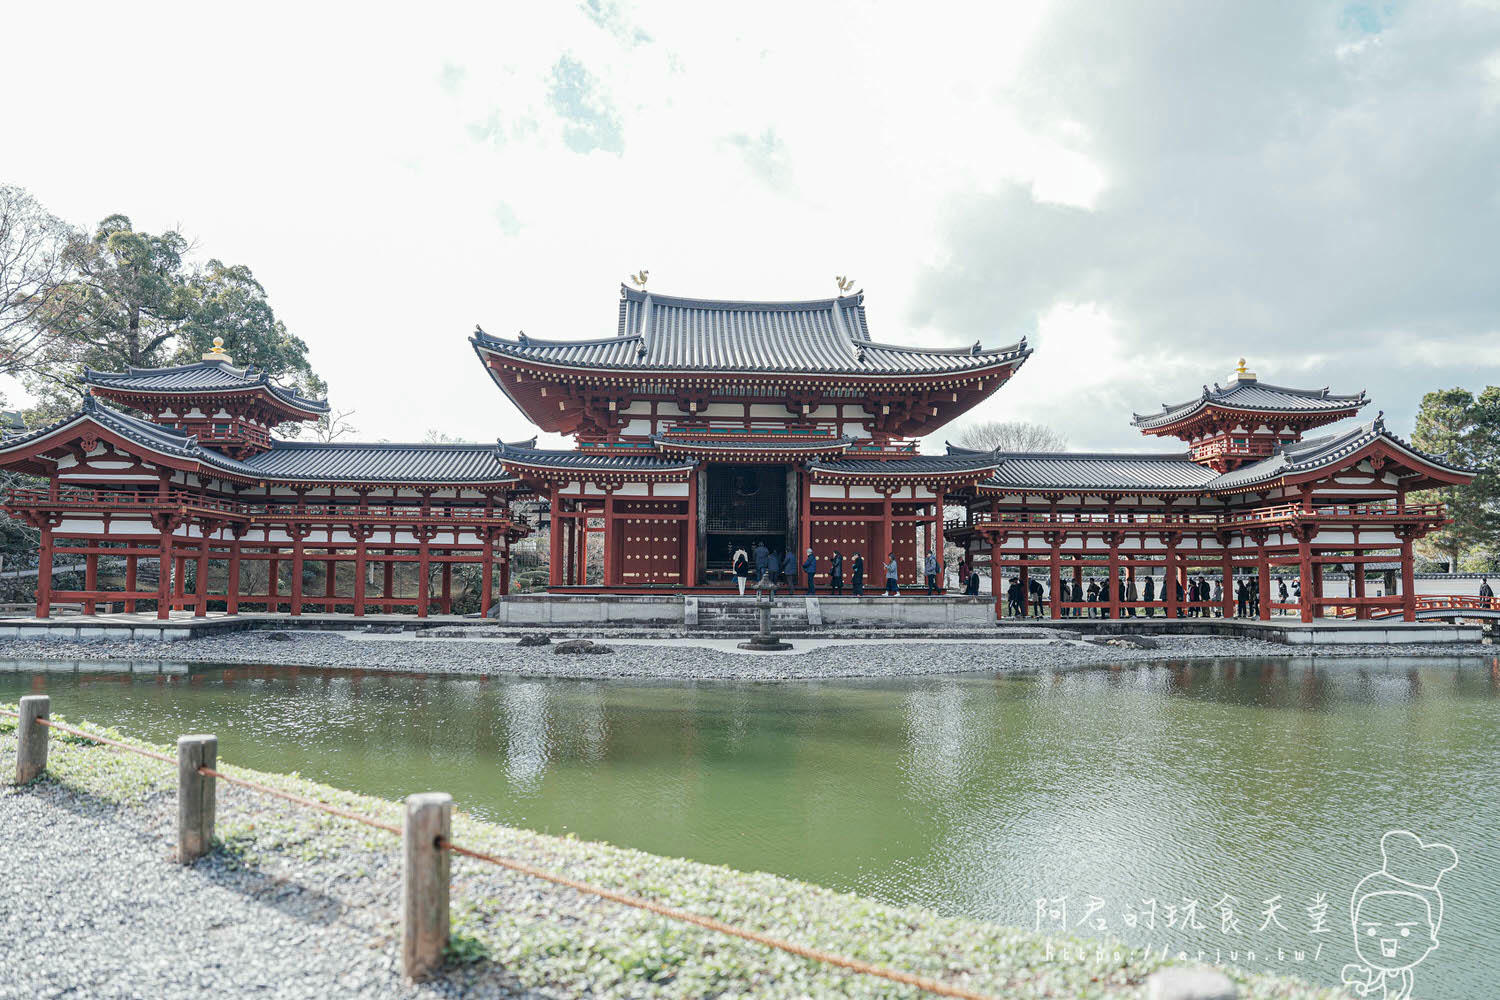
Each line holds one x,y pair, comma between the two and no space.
195,796
31,752
424,883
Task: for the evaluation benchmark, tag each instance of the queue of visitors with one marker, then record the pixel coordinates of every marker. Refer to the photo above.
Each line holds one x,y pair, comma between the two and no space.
1198,597
779,572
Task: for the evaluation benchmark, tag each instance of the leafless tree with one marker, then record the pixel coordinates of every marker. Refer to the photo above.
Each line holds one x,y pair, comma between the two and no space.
333,425
32,266
1011,435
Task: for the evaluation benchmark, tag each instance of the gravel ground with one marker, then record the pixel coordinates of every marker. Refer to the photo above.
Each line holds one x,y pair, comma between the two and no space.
688,659
293,903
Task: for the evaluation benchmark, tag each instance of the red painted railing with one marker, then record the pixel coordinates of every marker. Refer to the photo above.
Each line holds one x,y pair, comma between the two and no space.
1287,512
116,501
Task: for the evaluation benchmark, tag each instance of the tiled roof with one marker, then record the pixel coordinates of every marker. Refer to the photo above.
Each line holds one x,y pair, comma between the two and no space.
338,461
1316,453
592,461
667,333
916,465
204,376
1098,471
1249,394
300,461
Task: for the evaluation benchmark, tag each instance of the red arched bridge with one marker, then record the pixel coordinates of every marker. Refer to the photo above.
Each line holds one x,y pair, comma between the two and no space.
1440,606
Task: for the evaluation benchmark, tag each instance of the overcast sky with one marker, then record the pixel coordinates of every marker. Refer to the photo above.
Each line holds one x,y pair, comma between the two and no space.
1147,191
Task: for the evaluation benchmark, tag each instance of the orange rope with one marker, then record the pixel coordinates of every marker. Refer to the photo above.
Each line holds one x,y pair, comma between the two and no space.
803,951
625,899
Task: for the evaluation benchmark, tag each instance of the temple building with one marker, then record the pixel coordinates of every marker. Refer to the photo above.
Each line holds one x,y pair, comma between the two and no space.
700,427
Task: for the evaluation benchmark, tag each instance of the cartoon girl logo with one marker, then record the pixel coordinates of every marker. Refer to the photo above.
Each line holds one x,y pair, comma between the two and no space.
1396,913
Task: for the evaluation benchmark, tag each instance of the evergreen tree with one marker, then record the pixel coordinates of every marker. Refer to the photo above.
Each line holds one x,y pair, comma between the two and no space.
1464,430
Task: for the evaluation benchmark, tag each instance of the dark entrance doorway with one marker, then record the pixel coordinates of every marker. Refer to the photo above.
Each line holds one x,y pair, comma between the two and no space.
745,504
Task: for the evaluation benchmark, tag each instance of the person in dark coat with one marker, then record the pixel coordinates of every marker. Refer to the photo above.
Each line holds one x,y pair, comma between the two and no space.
1104,596
741,569
1281,591
857,569
789,570
1178,585
762,560
1241,599
1131,596
1255,598
1486,595
973,587
930,568
1038,598
1077,597
836,573
810,570
774,563
892,587
1093,596
1149,593
1013,598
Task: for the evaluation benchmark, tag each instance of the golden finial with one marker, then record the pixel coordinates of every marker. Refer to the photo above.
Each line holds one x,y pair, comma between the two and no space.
1242,374
1241,369
639,278
844,284
216,353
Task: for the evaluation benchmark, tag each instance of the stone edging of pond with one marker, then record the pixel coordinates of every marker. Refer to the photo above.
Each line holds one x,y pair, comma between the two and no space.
691,661
310,901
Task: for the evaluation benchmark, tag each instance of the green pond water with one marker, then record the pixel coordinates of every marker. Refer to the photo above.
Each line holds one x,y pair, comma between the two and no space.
1245,798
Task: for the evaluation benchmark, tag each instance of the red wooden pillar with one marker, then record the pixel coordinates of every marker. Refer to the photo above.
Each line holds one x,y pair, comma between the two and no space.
689,575
554,541
1305,571
505,566
1408,582
179,588
583,553
361,569
1114,575
997,585
44,574
886,544
389,582
1169,578
1024,574
1361,611
130,583
200,582
296,572
939,543
1056,603
424,557
164,577
90,581
1263,578
273,582
1226,606
487,578
232,591
447,598
330,582
611,557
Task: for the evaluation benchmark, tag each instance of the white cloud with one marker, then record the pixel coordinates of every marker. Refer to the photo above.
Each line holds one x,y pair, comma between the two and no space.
982,170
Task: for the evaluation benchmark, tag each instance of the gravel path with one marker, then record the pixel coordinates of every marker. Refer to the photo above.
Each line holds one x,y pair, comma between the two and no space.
294,903
686,659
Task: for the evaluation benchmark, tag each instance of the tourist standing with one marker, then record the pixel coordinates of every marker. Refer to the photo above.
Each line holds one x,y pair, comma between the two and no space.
858,569
930,565
1150,596
810,569
1486,595
1131,595
1218,598
741,564
1093,598
1038,598
973,589
1013,598
1104,597
1281,590
836,573
1077,597
789,571
1254,598
762,560
892,589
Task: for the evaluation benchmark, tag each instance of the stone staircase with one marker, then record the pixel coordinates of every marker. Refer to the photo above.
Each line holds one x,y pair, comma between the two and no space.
740,615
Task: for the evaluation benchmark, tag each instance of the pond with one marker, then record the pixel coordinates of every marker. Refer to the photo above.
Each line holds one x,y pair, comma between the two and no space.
1228,807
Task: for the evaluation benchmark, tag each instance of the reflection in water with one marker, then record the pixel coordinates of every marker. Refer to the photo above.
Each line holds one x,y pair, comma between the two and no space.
1174,785
526,752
